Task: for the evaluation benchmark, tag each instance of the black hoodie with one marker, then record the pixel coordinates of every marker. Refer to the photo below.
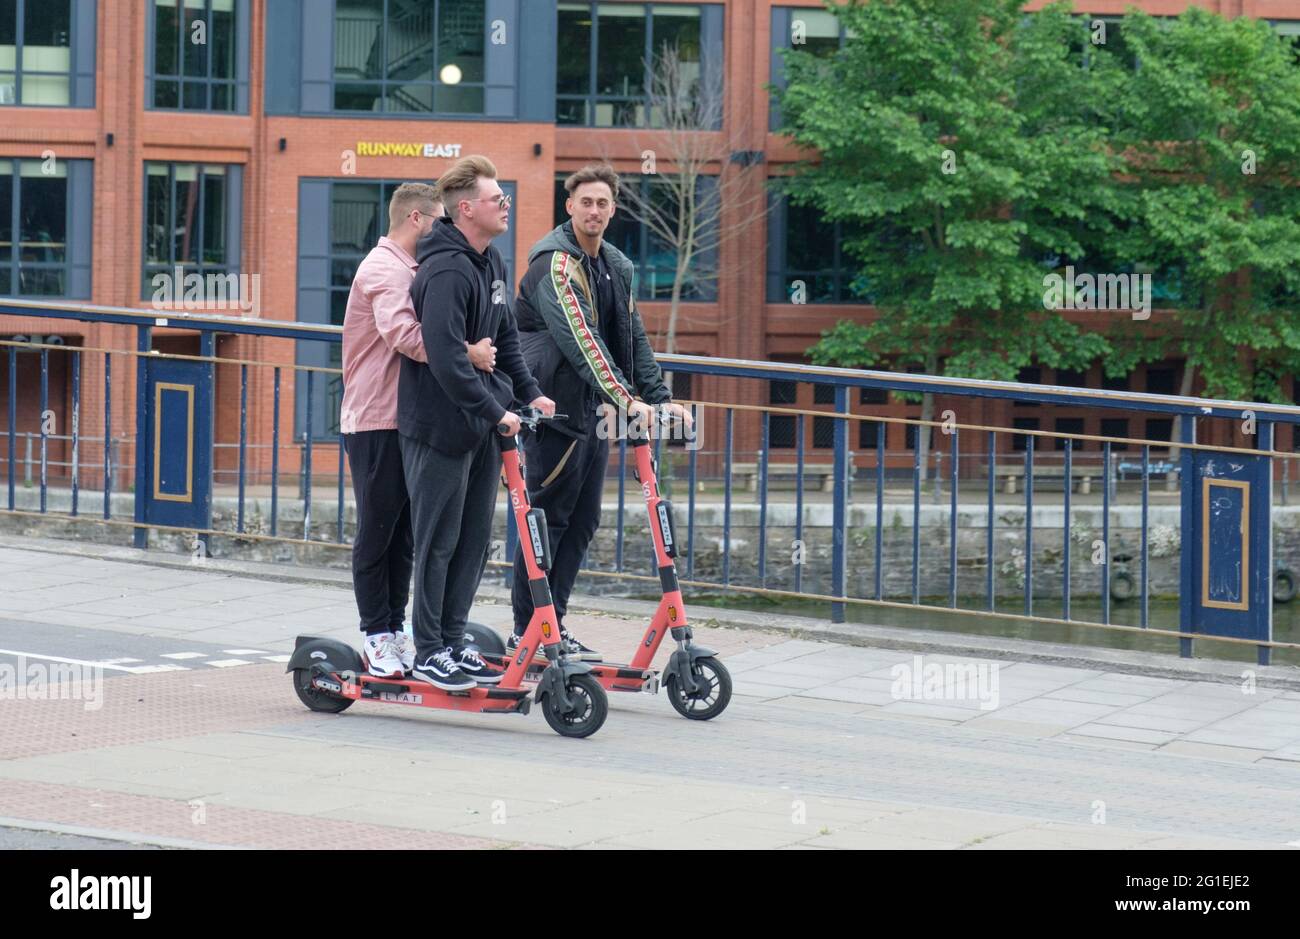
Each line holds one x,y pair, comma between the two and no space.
460,296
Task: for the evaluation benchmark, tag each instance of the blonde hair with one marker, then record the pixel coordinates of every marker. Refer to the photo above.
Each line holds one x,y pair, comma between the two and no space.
461,181
409,196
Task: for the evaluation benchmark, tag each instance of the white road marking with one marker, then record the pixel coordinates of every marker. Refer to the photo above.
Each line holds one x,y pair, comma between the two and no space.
121,661
150,669
276,658
58,658
227,663
244,651
184,655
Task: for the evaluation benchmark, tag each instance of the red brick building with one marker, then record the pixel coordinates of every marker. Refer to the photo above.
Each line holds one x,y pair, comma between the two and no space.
130,147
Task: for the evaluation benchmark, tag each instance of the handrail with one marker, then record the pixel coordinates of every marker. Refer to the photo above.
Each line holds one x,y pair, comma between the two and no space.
740,368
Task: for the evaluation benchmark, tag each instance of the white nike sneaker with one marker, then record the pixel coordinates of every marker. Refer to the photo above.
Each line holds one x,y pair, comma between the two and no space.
405,647
380,655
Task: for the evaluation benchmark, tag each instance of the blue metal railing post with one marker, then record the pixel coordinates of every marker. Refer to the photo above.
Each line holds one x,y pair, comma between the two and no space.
1105,535
1187,515
275,455
144,418
1263,509
840,512
726,498
952,523
76,429
691,477
45,409
243,442
306,456
622,501
765,434
916,512
208,349
1029,524
880,509
798,504
1065,531
108,434
13,420
1146,503
988,545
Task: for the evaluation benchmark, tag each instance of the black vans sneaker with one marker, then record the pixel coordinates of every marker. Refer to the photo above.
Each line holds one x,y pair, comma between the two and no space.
512,648
575,649
441,671
471,663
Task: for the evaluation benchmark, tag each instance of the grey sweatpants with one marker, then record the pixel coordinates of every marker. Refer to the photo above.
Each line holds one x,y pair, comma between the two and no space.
452,503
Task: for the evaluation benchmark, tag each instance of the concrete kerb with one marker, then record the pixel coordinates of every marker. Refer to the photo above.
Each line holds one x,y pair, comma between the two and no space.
1283,677
110,834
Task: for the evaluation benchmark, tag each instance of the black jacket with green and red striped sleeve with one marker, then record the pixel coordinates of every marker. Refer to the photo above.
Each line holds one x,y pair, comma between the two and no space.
559,332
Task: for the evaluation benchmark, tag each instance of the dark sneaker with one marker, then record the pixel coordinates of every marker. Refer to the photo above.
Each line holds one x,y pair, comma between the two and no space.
512,648
471,663
575,649
441,671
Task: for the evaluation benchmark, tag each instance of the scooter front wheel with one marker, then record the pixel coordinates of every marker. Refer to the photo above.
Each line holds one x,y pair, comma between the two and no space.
591,707
315,698
712,698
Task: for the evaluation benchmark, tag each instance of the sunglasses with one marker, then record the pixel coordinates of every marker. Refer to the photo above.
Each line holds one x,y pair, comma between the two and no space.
502,201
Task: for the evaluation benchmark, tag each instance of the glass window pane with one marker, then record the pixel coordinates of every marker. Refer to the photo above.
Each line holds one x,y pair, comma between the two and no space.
194,54
6,282
823,432
156,215
223,97
185,215
338,306
8,88
6,211
461,26
166,30
343,271
359,40
815,31
43,207
808,240
408,53
8,34
353,97
573,65
414,98
355,217
571,112
166,94
620,49
46,36
195,95
41,282
454,99
214,220
678,27
222,39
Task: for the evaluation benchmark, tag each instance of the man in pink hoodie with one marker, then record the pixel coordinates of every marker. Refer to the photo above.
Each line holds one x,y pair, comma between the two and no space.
378,328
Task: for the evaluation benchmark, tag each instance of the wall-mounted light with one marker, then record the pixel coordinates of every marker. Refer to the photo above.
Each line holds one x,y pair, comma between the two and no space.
109,140
284,144
450,74
537,149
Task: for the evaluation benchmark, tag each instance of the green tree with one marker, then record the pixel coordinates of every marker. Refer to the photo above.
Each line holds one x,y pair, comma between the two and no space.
1209,124
961,144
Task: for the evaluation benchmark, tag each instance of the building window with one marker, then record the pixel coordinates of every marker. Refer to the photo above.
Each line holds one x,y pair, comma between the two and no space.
804,30
191,220
195,55
410,56
605,54
867,434
873,396
36,52
34,204
655,258
1160,381
1023,423
1115,427
1160,428
823,433
806,262
1289,30
1069,425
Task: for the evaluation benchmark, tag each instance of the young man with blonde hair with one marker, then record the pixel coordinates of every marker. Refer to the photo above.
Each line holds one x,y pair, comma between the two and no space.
379,327
448,415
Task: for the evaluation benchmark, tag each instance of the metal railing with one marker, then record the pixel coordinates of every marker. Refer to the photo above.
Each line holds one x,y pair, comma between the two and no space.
898,568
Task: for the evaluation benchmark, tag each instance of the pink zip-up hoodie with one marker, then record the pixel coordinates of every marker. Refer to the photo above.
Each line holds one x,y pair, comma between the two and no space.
378,327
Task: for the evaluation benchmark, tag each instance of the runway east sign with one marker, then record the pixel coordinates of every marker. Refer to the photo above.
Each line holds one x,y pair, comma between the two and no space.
426,150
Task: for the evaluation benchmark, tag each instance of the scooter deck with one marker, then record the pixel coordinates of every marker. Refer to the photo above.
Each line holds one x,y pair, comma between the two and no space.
482,699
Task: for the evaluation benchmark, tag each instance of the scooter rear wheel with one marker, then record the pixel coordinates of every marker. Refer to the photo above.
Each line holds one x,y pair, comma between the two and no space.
592,707
709,703
315,698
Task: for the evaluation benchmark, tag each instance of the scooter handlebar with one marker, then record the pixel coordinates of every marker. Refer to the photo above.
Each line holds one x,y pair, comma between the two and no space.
531,417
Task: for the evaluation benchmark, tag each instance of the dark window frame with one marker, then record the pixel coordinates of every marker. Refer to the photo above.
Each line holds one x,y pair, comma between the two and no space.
592,98
202,267
15,264
236,84
385,83
20,21
780,274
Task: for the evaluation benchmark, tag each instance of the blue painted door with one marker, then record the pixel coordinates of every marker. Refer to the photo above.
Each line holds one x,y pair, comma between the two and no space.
178,443
1230,541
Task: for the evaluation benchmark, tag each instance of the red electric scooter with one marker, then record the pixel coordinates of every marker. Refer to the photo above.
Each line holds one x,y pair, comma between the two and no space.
699,685
329,675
